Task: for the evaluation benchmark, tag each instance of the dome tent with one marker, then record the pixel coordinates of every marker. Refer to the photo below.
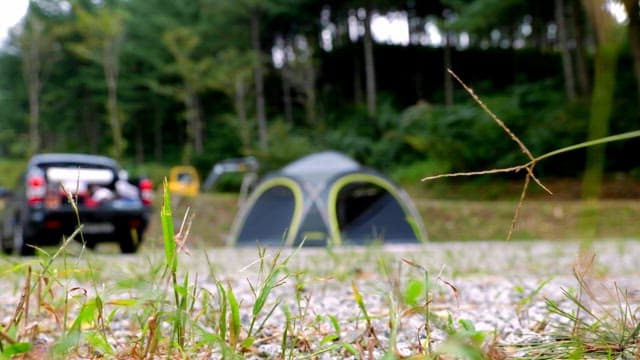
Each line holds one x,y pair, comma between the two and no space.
326,198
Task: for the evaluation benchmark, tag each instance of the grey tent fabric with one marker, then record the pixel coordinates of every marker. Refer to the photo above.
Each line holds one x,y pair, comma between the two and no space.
323,199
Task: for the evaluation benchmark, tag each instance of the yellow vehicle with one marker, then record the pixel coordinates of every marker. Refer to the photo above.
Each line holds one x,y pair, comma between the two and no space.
184,180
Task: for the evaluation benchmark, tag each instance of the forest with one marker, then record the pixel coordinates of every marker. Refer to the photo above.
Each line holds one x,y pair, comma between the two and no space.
198,81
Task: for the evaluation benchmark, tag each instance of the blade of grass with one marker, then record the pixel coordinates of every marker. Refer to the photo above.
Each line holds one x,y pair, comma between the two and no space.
167,230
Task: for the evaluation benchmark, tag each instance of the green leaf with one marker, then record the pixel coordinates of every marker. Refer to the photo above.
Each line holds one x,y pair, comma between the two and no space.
264,292
413,292
168,234
234,321
467,325
11,350
98,341
222,321
248,342
352,349
335,324
87,315
360,301
328,339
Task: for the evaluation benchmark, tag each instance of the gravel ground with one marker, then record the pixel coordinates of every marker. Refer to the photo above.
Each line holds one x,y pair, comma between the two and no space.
499,287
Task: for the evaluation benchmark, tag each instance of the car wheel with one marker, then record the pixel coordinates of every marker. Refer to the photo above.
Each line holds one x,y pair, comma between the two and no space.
19,243
7,244
129,241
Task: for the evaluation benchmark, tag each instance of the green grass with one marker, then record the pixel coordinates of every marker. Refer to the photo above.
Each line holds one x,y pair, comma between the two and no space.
78,301
453,220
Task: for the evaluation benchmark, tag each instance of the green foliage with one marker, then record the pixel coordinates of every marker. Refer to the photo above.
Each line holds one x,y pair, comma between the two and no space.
224,147
11,171
463,137
286,145
208,44
412,173
464,341
9,351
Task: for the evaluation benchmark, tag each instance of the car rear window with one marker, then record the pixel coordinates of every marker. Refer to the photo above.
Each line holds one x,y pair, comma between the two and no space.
94,176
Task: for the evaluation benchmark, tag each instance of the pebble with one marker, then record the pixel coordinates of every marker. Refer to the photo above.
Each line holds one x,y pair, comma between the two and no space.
500,288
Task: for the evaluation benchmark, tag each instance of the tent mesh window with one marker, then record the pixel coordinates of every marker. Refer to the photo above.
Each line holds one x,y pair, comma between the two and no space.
269,218
367,212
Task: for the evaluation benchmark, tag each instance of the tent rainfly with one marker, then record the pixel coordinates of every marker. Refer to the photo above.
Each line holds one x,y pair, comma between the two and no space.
326,198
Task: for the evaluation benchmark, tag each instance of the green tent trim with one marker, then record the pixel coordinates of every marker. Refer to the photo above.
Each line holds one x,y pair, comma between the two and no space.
376,180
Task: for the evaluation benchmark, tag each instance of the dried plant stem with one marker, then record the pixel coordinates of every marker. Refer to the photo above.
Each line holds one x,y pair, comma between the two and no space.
7,338
530,165
516,214
484,107
22,309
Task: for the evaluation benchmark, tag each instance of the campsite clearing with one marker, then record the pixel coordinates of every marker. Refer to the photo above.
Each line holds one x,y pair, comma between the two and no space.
450,220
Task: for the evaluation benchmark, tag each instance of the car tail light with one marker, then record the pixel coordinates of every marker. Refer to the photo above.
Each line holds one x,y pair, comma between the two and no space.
53,224
36,189
146,191
134,223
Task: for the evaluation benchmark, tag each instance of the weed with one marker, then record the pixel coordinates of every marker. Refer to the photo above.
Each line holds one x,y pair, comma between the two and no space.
533,161
596,327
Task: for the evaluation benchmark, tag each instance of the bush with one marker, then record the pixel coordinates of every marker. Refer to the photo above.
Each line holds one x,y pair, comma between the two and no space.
466,138
285,145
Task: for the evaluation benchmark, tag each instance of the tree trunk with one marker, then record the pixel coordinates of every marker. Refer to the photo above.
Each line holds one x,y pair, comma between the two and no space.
139,144
194,124
157,135
91,125
243,123
286,94
369,65
112,113
563,43
609,42
34,101
259,79
111,71
198,126
577,25
448,81
357,81
309,83
32,68
633,10
601,105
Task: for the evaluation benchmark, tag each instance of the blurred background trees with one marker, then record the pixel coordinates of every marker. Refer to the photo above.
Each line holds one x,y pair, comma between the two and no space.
199,81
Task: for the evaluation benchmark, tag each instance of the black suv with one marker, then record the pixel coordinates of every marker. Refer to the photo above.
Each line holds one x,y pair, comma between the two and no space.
108,205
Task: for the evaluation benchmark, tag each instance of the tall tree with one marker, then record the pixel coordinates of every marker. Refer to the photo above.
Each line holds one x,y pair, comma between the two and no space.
577,24
261,114
299,73
146,55
102,32
195,75
242,17
565,51
633,12
37,49
233,77
609,36
369,62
